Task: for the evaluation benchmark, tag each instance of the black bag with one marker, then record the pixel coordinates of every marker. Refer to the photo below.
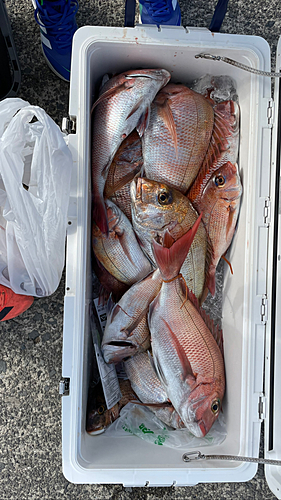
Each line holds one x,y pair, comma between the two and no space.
10,75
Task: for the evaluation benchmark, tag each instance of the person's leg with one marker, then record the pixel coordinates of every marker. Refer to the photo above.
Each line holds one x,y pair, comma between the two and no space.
56,19
160,12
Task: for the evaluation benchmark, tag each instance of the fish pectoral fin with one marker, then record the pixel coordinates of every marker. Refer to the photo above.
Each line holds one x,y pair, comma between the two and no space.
151,360
125,180
189,379
112,92
187,372
159,371
135,323
136,107
125,245
164,110
110,305
119,231
143,122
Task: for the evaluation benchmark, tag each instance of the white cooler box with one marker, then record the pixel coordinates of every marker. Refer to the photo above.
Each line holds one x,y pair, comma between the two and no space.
251,342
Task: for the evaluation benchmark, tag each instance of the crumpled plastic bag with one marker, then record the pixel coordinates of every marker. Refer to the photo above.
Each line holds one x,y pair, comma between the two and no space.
139,421
35,174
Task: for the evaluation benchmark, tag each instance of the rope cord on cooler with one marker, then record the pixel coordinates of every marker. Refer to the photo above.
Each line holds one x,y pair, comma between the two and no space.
197,455
238,65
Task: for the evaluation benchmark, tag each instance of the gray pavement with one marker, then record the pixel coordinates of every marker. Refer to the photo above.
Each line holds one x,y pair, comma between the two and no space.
31,345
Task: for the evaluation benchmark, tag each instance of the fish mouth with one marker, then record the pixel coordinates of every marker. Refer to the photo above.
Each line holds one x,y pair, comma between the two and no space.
122,343
202,427
156,74
95,432
196,428
140,75
116,351
231,198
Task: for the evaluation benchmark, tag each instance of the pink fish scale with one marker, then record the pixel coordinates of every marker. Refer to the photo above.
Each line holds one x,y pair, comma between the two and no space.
177,165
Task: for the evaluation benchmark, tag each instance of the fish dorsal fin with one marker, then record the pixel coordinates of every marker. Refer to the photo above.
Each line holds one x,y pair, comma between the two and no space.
208,261
214,329
224,127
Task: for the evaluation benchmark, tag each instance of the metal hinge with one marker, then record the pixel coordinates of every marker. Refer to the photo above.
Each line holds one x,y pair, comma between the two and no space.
261,407
64,387
270,112
69,125
267,211
263,310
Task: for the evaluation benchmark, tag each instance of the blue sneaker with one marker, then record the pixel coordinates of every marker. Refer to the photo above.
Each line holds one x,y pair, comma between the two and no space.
56,19
160,12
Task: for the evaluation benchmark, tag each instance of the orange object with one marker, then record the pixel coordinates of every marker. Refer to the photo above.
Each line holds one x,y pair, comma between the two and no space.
12,304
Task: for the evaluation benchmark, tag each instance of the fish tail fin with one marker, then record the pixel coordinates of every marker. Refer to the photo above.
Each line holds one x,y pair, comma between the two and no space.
171,255
99,215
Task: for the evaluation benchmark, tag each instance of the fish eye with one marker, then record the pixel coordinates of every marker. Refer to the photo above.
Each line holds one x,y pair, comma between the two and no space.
220,180
101,410
215,406
164,198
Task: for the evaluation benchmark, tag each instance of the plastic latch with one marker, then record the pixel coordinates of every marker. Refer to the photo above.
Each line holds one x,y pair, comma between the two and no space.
261,407
270,112
264,309
69,125
64,387
267,212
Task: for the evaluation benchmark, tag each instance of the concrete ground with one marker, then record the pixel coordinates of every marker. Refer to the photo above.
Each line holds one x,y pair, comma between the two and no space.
31,345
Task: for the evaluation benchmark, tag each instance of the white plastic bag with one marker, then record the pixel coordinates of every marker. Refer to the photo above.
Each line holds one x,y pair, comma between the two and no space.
35,173
139,421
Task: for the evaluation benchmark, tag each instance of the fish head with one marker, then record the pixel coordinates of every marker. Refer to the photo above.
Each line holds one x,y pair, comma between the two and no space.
225,184
157,203
100,418
202,408
221,202
96,420
116,351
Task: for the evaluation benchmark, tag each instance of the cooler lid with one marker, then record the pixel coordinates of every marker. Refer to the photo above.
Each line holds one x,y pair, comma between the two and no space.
272,442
